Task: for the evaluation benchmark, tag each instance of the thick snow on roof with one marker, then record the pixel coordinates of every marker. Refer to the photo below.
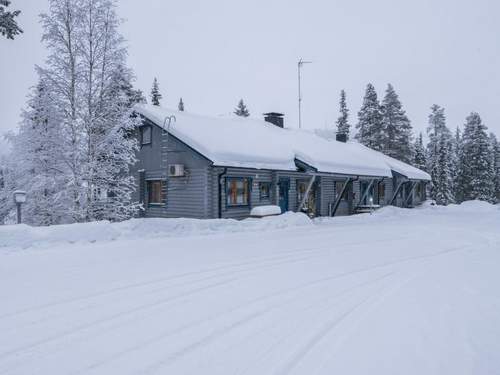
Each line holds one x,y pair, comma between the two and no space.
250,143
232,142
398,166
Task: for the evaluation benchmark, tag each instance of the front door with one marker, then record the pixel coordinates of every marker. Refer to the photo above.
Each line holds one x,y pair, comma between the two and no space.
284,186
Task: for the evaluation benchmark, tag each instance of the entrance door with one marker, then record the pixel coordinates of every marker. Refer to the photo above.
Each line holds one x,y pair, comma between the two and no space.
284,187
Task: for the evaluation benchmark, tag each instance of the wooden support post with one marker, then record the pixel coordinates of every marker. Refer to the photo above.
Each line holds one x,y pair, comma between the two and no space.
339,197
407,199
397,192
306,194
365,194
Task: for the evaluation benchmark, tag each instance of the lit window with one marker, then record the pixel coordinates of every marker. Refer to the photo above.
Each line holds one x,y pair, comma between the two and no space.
238,191
265,190
146,135
155,192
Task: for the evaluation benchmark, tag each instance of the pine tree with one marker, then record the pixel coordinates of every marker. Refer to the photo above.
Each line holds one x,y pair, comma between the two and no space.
442,184
38,162
456,156
420,159
8,25
495,163
181,105
343,126
369,127
397,131
440,162
241,109
155,93
476,177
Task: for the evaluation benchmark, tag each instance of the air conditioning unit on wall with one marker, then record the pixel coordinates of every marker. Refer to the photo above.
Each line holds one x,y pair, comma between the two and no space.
176,170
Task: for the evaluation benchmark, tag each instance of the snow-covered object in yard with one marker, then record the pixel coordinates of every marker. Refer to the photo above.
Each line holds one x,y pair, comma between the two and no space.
261,211
24,236
251,143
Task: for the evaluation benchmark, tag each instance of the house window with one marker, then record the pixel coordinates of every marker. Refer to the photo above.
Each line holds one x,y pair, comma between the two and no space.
155,192
265,190
381,192
238,191
339,186
146,135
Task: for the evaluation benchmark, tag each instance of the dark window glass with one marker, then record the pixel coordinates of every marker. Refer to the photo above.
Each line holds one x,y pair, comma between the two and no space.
146,135
381,192
155,192
265,190
237,191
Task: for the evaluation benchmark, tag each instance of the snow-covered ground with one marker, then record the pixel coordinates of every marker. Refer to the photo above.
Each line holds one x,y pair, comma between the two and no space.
396,292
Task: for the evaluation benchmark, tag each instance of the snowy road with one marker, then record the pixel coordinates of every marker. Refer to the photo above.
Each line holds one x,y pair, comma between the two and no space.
398,292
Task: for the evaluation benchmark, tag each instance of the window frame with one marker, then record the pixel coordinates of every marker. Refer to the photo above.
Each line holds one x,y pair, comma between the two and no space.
149,191
268,196
142,129
248,181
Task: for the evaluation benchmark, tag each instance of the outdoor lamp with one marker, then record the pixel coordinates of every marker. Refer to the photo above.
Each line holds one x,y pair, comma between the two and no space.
19,199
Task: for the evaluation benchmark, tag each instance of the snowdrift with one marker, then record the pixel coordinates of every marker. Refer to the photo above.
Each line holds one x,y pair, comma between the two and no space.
24,236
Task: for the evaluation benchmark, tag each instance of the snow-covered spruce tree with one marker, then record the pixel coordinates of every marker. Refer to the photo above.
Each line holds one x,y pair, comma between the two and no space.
91,85
8,25
38,163
343,126
397,130
475,174
439,135
495,156
370,130
241,109
420,159
181,105
7,186
456,156
155,93
442,176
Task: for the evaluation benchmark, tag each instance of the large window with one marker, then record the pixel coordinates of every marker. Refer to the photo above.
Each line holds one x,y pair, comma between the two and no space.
265,191
155,195
238,191
146,135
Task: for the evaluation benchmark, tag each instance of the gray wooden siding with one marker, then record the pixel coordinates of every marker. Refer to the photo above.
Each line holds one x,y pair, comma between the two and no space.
185,196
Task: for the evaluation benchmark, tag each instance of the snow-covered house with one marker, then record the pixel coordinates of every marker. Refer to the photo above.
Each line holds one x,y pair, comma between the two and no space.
202,167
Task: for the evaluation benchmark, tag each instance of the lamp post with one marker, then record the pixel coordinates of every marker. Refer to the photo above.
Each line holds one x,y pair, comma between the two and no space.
19,199
299,66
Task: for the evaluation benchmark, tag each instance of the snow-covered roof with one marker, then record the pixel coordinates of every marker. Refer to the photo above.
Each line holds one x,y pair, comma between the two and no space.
398,166
251,143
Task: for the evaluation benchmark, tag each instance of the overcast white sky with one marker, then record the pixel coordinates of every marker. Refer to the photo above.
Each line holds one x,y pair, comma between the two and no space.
214,52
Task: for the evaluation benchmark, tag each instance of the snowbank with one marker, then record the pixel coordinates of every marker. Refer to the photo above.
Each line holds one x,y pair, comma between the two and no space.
24,236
